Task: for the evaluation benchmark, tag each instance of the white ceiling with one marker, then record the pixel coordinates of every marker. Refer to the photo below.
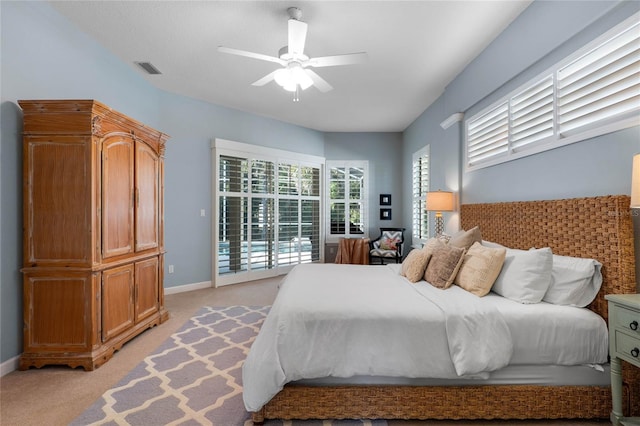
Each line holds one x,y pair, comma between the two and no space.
415,49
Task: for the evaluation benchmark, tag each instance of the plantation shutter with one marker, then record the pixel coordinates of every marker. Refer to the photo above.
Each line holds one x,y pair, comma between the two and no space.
593,92
298,214
420,177
357,212
601,86
233,214
347,185
310,214
487,135
261,244
310,241
532,114
262,177
268,215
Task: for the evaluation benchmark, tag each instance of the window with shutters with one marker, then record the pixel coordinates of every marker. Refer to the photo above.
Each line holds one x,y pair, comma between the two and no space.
488,135
347,191
593,92
420,184
268,211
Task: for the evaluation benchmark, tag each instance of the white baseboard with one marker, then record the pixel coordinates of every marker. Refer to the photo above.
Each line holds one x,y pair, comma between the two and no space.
187,287
9,365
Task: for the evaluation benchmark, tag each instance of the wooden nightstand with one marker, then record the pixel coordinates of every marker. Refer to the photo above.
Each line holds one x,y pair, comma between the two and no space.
624,344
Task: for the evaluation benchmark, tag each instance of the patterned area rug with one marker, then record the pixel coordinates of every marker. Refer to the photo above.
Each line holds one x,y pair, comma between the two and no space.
193,378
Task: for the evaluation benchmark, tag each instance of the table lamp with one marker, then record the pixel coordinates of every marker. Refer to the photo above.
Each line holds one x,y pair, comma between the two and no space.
439,201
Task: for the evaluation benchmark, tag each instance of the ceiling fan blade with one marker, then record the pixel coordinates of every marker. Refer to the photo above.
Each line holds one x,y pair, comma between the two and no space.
297,36
331,61
266,79
251,55
318,81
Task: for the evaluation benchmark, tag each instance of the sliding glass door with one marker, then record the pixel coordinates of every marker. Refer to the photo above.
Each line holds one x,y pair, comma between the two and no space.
268,214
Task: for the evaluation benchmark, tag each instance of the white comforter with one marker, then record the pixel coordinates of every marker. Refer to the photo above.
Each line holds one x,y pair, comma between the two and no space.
346,320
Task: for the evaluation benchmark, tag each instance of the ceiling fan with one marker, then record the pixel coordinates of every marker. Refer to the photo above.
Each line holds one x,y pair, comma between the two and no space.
295,73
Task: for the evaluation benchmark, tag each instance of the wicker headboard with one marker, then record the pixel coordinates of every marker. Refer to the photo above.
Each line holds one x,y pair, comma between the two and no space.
598,228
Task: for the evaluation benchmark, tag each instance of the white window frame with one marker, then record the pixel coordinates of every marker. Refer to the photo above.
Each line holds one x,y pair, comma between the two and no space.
364,197
420,187
490,126
222,147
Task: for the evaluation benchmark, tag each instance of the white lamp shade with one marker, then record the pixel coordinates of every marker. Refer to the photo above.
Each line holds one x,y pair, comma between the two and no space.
290,87
635,183
441,201
284,77
291,77
302,78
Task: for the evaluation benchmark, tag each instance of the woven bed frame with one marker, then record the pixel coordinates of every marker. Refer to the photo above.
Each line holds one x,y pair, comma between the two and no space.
597,227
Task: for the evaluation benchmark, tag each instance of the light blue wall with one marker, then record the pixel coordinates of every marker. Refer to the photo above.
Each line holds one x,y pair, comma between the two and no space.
599,166
545,33
384,153
444,150
542,35
535,34
46,57
192,124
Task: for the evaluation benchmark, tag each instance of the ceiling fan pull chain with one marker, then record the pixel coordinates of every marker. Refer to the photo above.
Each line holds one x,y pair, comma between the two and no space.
296,94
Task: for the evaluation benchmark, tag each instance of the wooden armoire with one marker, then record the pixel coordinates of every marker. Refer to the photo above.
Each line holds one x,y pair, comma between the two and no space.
93,241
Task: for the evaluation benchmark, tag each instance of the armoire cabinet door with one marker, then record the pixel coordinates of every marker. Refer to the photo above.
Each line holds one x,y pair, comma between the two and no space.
147,197
147,288
117,300
117,196
57,205
58,311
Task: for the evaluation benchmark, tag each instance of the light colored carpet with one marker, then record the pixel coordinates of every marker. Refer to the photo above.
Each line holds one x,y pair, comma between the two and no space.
194,377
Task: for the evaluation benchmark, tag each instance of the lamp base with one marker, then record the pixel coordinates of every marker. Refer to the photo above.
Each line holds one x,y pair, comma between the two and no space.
439,226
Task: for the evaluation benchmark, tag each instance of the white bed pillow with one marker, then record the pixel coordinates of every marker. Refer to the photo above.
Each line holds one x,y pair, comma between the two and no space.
526,275
574,281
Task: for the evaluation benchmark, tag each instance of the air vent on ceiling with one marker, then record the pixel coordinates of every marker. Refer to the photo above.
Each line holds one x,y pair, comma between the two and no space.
149,68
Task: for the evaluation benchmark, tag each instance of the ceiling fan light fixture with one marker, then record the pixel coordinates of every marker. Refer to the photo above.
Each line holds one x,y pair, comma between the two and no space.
301,77
284,77
290,87
292,76
295,76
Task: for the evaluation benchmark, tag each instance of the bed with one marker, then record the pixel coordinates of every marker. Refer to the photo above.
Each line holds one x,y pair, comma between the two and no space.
597,227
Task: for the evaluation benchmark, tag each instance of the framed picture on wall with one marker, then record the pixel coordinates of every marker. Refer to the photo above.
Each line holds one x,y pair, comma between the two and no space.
385,199
385,214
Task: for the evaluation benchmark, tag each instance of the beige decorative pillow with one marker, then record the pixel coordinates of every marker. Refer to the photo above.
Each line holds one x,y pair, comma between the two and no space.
443,266
433,244
480,267
465,239
414,265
